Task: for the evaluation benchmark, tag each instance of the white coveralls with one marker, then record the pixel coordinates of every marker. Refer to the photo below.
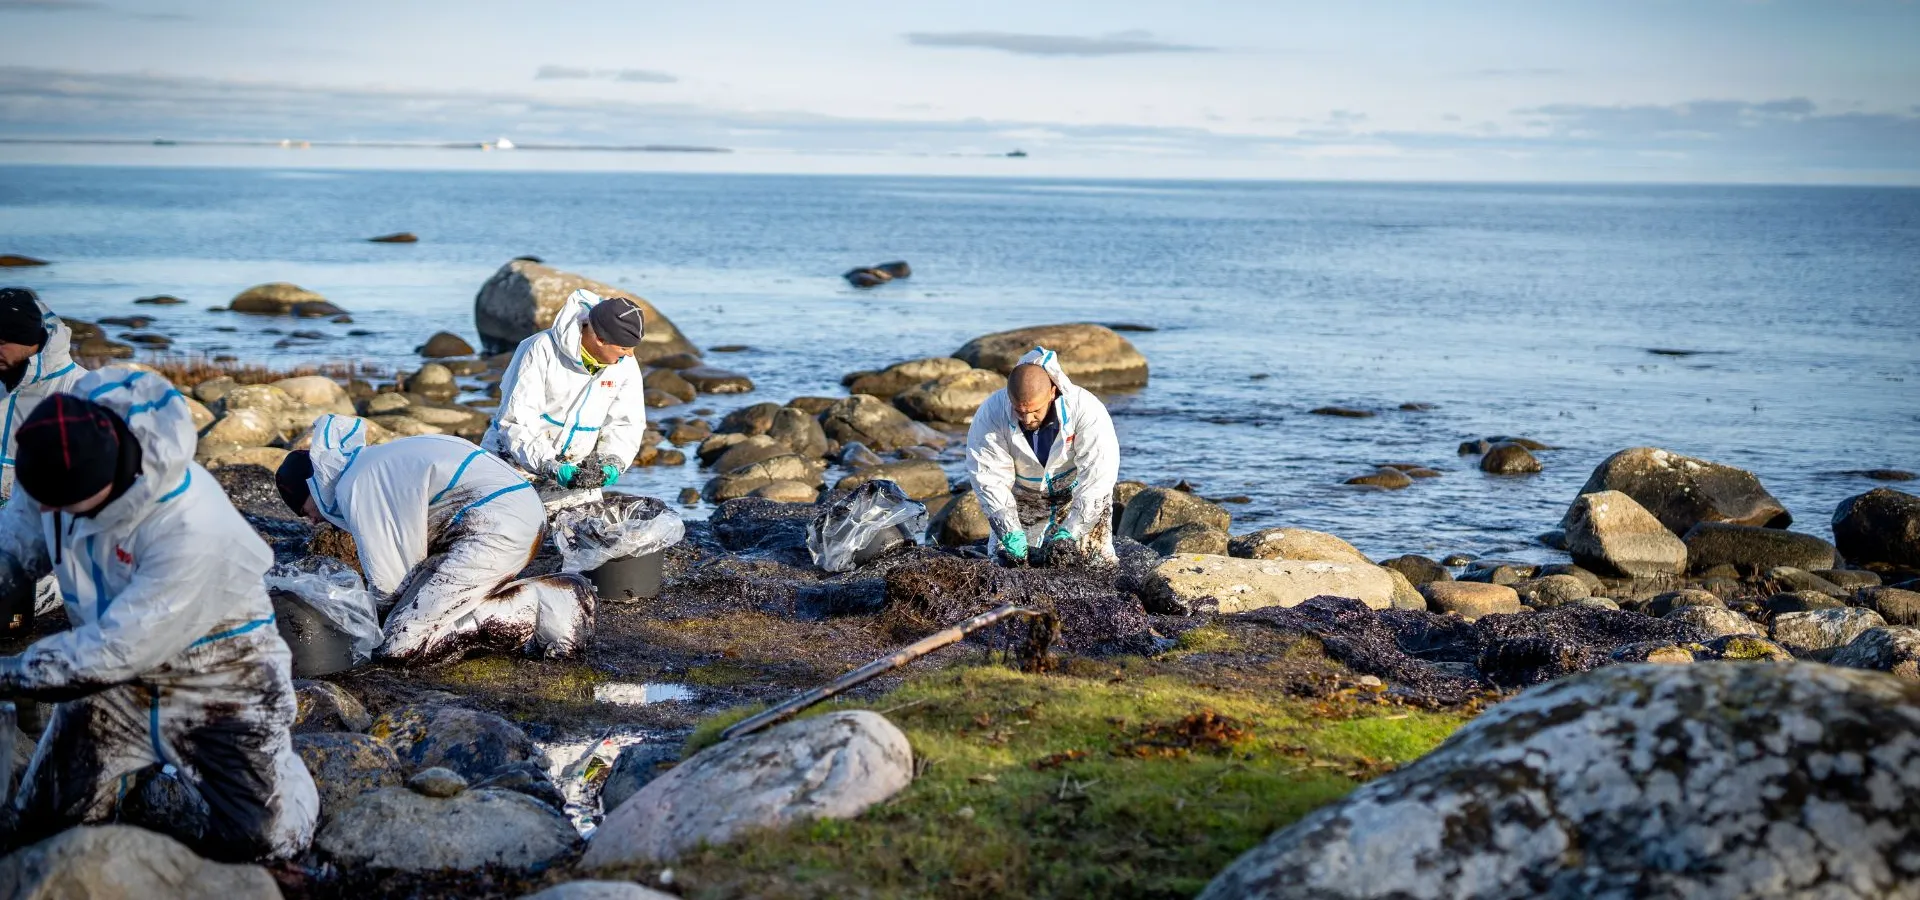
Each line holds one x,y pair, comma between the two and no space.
51,371
172,659
1072,488
552,411
442,528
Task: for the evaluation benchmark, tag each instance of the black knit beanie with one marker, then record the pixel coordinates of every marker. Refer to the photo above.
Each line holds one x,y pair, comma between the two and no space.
291,479
617,321
21,321
69,450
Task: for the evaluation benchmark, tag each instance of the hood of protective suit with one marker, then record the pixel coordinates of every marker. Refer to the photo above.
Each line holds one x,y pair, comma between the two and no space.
1049,361
50,370
56,356
565,330
337,442
158,416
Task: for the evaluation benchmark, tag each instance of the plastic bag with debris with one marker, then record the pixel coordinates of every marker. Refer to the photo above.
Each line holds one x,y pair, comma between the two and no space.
336,594
621,525
870,520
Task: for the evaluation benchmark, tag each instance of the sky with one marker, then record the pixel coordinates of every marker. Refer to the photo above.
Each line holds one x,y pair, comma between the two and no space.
1553,90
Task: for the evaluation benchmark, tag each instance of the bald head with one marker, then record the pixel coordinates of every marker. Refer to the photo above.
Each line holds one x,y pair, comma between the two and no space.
1031,392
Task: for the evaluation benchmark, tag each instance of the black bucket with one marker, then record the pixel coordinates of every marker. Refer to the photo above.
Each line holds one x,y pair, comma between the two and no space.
318,649
882,540
627,578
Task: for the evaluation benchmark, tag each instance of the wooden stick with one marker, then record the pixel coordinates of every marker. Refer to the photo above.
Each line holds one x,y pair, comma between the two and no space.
945,637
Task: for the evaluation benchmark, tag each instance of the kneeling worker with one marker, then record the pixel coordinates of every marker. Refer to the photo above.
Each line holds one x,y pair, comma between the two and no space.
442,529
172,670
572,403
1043,459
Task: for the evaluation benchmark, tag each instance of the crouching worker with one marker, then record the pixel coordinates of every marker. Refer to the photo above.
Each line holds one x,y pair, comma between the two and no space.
443,529
173,688
1043,459
572,402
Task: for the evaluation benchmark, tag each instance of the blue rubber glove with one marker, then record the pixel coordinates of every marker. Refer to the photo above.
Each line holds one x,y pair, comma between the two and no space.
564,474
1060,534
613,474
1015,544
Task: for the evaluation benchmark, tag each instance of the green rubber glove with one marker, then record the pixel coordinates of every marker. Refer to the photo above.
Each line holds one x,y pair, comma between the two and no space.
564,474
613,474
1015,544
1060,534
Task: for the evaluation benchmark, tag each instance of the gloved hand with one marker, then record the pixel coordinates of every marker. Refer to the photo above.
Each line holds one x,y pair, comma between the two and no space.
1014,545
1060,534
608,466
564,474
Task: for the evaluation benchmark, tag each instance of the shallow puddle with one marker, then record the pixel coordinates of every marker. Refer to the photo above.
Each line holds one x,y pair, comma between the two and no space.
626,694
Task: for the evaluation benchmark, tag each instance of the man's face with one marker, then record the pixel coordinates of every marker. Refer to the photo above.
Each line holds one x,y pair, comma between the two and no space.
601,350
13,356
1033,410
84,507
312,511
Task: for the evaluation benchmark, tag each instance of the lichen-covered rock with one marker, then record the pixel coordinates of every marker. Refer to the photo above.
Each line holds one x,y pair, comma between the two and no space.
1879,526
1715,780
1092,355
1192,583
1682,491
123,862
1803,633
1295,543
1751,547
345,765
1748,648
950,398
832,766
1470,599
473,743
1609,532
1716,621
524,296
1154,511
405,831
1894,649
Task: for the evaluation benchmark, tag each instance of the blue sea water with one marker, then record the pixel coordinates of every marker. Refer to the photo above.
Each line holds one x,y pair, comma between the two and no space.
1527,310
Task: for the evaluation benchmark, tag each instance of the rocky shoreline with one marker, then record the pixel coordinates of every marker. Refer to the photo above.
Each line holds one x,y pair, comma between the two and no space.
1281,663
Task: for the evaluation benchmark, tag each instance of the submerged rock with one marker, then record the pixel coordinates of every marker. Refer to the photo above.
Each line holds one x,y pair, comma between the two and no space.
1791,780
832,766
122,862
1682,491
1610,532
1094,357
1383,477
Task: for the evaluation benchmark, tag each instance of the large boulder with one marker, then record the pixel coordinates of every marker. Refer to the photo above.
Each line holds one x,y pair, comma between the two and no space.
242,428
316,391
412,829
875,423
1715,780
1609,532
950,398
1156,511
1879,526
1295,543
475,744
800,432
1682,491
1191,583
524,296
1712,544
832,766
276,298
900,376
922,479
1894,649
1803,633
1092,355
345,765
122,862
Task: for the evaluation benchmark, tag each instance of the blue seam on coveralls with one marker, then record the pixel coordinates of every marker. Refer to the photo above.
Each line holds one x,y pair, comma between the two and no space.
524,485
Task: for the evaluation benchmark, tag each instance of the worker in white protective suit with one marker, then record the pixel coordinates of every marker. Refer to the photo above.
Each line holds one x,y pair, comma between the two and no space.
572,403
35,363
443,529
1043,459
172,682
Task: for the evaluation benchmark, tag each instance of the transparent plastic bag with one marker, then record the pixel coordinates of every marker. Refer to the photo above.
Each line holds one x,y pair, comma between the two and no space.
870,520
621,525
337,594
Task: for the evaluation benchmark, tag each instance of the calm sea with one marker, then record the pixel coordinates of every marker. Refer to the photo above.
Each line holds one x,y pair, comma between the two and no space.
1527,310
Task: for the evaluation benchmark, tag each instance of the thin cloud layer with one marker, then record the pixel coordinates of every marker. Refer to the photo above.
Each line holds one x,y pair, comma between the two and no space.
1116,44
48,6
631,76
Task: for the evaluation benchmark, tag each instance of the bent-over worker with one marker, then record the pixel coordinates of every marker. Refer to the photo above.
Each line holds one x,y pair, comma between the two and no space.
572,403
172,675
35,363
1043,459
443,529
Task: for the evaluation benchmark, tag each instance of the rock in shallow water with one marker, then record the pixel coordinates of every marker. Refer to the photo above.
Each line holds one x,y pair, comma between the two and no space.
1094,357
1509,458
832,766
524,296
1682,491
122,862
1711,544
1880,526
1792,781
